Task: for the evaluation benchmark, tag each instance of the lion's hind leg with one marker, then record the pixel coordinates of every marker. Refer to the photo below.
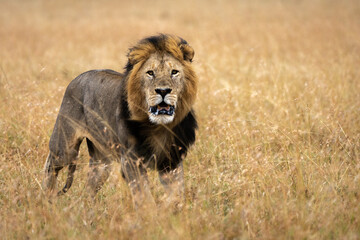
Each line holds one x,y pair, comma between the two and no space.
100,168
69,179
51,173
53,166
64,148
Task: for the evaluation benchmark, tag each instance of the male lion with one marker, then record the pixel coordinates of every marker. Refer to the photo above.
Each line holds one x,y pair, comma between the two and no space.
142,117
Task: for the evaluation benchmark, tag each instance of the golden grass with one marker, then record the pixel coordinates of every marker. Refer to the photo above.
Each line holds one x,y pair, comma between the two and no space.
278,149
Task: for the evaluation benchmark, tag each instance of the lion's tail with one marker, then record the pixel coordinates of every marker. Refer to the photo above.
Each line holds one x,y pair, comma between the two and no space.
69,179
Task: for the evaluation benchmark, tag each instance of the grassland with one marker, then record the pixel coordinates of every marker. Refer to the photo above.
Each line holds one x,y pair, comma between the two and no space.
278,148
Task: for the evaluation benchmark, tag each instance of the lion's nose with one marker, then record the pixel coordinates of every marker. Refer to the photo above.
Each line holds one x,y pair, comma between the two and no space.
163,91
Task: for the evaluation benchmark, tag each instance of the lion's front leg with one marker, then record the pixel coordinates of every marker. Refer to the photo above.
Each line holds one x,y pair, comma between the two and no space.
173,182
136,176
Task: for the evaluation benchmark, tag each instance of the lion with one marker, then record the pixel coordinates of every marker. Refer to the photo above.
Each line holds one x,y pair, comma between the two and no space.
142,118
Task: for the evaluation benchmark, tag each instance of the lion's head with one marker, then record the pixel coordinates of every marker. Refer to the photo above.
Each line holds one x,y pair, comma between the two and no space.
161,84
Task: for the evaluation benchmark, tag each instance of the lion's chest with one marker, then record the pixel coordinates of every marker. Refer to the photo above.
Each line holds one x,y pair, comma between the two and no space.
155,149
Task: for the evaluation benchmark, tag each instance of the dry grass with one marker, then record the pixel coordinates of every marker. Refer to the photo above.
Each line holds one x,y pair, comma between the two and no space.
278,149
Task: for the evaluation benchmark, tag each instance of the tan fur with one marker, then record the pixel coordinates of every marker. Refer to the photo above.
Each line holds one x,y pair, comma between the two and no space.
137,57
113,109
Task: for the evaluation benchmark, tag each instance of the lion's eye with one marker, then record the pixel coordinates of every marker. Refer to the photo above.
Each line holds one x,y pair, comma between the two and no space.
174,72
150,73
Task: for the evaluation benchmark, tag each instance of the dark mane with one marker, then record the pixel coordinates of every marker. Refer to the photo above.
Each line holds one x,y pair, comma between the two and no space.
158,43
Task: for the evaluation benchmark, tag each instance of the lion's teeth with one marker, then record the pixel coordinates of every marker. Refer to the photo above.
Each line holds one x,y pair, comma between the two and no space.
161,110
153,109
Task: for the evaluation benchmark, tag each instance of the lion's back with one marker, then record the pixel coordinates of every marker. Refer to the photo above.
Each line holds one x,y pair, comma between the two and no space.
94,97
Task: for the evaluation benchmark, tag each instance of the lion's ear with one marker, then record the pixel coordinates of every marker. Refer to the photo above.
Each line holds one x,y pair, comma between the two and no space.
188,52
132,56
135,55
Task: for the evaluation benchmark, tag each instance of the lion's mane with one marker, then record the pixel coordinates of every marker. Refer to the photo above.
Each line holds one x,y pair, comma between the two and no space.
137,56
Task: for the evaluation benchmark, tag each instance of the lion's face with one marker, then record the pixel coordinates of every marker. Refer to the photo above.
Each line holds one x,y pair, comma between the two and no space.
161,84
162,78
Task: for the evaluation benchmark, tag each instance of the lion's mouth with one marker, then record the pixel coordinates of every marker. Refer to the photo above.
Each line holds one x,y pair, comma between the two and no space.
162,109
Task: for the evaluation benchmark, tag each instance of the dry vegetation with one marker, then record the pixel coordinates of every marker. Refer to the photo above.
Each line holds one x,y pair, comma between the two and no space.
278,148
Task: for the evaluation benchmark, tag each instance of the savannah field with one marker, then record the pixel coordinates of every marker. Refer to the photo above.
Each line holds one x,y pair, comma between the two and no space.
278,146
